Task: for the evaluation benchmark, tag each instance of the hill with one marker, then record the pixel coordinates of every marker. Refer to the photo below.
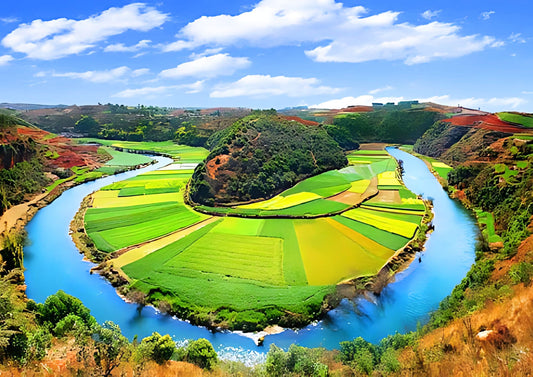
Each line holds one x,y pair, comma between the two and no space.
261,155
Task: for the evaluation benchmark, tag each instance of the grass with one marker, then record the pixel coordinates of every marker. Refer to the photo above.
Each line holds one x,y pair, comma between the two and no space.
293,268
526,121
487,219
126,159
245,257
326,184
183,153
383,221
121,227
507,174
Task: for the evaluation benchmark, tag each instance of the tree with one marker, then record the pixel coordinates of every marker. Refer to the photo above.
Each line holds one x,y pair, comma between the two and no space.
110,347
59,305
158,348
201,353
87,125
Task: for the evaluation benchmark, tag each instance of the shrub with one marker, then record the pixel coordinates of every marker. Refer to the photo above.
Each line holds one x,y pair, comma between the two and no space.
521,273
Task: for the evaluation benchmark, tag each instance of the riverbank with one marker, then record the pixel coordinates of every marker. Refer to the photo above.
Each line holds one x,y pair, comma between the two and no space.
397,261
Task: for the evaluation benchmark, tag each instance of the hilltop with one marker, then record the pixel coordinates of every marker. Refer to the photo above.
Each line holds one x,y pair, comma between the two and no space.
261,155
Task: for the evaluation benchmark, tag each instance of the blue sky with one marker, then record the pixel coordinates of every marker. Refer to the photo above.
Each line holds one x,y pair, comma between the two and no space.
271,53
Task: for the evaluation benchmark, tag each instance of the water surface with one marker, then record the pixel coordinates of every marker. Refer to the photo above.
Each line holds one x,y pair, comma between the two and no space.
52,262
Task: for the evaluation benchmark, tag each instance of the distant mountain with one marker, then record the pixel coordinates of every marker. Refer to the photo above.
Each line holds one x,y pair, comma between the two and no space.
29,106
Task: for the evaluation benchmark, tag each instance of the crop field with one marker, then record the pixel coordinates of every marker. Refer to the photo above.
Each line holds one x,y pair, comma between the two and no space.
330,255
183,153
126,159
222,263
383,220
526,121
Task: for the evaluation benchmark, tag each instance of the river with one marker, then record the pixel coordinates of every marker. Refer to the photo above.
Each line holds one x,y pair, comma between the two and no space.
53,262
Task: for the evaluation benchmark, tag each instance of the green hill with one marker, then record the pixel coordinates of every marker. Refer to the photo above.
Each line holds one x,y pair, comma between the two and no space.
261,155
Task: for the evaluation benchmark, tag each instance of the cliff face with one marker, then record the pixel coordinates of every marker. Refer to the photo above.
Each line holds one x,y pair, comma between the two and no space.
16,151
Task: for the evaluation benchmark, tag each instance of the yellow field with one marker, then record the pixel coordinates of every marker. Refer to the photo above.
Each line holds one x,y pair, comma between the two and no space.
403,228
110,199
412,201
394,210
142,251
388,178
360,186
280,202
365,242
240,226
438,164
170,171
329,256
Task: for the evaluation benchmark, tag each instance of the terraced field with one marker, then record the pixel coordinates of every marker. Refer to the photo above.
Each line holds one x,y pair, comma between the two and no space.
267,257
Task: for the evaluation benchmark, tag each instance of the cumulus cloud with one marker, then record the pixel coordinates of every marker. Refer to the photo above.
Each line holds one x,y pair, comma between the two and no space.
207,67
153,92
429,14
266,85
343,34
116,74
54,39
120,47
5,59
365,100
486,15
491,104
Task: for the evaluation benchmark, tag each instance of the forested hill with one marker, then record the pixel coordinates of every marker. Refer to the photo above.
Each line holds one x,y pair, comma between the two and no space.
261,155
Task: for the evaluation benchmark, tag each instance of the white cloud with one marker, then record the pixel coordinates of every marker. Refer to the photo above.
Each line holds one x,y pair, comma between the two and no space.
491,104
517,38
266,85
343,34
527,92
120,47
208,66
5,59
54,39
153,92
116,74
378,90
9,20
486,15
365,100
429,14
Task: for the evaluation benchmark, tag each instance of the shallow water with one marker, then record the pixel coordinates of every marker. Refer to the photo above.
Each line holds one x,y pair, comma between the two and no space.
52,262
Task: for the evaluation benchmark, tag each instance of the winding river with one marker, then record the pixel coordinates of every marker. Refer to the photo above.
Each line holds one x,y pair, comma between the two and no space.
52,262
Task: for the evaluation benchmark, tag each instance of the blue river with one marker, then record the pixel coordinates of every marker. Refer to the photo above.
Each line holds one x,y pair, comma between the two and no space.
53,262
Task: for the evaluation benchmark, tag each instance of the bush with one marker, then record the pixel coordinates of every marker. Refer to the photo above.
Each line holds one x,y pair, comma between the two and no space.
60,305
158,348
298,360
199,352
521,273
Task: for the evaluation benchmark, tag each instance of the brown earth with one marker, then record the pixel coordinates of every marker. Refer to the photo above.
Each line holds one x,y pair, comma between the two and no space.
300,120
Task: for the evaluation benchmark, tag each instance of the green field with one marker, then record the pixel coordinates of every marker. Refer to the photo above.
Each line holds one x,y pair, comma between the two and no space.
489,232
237,271
183,153
526,121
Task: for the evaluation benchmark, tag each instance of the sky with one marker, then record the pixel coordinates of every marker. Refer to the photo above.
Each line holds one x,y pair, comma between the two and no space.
268,53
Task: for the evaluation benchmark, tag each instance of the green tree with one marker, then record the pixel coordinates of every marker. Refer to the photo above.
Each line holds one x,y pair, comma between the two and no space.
110,347
87,125
201,353
158,348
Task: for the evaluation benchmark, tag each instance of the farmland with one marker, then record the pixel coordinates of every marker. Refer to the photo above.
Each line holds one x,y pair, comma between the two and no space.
251,265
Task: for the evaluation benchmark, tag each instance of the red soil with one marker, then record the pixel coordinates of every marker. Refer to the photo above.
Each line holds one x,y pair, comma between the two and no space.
300,120
357,109
487,122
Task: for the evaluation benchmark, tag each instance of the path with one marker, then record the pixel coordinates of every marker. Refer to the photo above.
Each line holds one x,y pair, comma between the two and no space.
13,215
